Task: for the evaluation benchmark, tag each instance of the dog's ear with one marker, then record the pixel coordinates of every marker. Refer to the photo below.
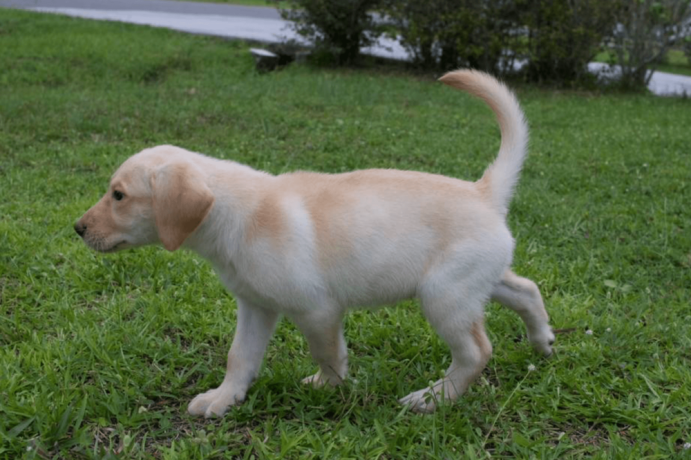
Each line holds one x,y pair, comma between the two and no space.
181,202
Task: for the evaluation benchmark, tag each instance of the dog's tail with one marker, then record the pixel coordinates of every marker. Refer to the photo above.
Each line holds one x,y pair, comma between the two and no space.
502,176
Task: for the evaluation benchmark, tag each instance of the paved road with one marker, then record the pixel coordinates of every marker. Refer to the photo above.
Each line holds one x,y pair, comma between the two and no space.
252,23
158,6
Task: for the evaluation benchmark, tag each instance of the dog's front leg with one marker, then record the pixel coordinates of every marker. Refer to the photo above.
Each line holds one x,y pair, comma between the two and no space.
255,327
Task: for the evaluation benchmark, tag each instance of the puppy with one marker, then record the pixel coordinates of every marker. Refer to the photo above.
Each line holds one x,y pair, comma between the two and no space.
309,246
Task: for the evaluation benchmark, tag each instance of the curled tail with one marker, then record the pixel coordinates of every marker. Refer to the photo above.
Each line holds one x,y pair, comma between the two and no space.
501,177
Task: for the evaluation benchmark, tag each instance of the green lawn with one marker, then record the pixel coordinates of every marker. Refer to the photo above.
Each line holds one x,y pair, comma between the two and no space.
99,355
674,62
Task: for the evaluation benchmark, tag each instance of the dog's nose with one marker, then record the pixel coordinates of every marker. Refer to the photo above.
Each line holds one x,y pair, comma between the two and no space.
80,228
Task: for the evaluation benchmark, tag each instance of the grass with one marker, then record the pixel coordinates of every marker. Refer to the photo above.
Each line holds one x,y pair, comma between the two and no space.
674,62
100,354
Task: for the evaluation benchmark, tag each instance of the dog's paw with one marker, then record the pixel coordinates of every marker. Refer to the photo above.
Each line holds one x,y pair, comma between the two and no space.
315,380
215,403
318,380
422,401
543,341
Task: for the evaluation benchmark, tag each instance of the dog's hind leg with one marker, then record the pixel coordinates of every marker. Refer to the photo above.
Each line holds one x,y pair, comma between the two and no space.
470,351
452,300
523,296
324,334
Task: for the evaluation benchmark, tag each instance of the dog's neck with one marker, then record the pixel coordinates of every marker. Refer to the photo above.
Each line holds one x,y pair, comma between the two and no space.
238,190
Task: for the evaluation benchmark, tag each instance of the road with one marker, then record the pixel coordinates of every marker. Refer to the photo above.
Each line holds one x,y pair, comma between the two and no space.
244,22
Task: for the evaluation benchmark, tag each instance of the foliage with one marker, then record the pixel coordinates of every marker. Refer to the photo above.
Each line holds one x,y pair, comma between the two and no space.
448,34
646,30
99,354
556,38
551,40
337,27
563,36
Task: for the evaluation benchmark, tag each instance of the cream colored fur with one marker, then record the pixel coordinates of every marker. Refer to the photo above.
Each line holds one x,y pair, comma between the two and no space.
309,246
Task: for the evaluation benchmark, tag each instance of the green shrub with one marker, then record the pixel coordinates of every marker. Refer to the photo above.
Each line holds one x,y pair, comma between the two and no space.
336,27
646,30
555,38
563,36
446,34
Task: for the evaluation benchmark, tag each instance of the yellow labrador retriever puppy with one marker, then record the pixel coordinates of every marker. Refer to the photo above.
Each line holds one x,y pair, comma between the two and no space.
309,246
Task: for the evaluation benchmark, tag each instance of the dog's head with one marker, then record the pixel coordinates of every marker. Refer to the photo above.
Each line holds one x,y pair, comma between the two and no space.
158,195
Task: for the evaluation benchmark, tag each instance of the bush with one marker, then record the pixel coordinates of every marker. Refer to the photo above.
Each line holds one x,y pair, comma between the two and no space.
337,27
554,38
563,36
646,30
447,34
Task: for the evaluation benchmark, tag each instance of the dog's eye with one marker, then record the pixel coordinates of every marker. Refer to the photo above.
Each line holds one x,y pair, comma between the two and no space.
118,195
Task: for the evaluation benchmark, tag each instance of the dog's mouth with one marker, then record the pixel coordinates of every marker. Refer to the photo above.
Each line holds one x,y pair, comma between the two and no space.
99,245
114,248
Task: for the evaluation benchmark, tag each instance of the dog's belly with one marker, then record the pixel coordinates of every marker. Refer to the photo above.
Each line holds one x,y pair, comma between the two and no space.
285,286
288,297
365,285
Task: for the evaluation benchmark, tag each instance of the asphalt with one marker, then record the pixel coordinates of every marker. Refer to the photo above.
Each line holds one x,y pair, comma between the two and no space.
245,22
153,6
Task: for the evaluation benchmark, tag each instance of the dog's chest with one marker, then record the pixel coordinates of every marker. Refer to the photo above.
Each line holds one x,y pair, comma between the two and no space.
277,290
